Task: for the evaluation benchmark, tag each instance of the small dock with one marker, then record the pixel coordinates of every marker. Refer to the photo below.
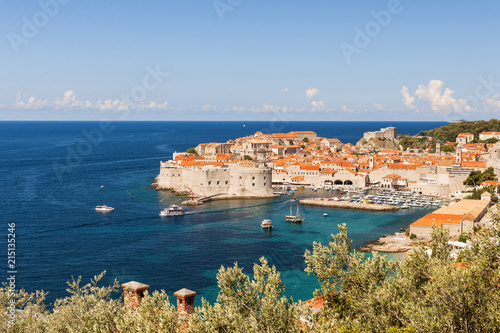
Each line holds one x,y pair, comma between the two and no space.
348,205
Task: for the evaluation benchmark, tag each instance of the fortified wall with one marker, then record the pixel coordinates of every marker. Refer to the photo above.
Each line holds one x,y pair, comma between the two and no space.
232,180
388,133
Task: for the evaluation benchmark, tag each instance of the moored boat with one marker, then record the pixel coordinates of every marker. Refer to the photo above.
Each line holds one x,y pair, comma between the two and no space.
104,209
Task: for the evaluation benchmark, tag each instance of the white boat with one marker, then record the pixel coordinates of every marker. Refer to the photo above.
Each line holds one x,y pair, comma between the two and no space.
104,209
172,211
266,224
325,214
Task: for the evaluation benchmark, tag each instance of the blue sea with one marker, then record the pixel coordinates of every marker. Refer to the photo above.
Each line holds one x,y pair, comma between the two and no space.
53,174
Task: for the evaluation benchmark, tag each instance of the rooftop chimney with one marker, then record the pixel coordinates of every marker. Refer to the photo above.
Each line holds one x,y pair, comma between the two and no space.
185,301
133,292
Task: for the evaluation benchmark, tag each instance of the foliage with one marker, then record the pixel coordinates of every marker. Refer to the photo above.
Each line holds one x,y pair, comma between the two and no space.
302,146
290,142
414,142
192,151
448,148
450,132
363,293
476,177
305,140
248,158
476,193
464,236
489,174
245,305
413,236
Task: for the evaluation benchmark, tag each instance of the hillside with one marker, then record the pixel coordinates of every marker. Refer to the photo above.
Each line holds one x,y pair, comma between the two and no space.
450,132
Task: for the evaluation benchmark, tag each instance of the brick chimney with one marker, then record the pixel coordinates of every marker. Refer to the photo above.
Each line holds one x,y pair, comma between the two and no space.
133,292
185,301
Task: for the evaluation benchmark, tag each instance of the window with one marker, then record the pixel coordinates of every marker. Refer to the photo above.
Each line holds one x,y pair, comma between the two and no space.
253,178
226,182
253,184
264,184
209,183
264,178
218,182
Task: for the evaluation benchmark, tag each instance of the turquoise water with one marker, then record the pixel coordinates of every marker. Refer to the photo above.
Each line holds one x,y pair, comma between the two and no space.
58,233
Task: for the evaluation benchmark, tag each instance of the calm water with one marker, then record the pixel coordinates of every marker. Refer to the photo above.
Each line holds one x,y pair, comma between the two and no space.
50,192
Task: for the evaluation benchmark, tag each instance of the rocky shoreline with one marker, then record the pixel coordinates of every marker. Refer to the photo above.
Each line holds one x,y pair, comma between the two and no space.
348,205
397,243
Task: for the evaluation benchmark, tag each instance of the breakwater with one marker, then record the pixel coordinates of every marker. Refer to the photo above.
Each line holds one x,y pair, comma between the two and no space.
348,205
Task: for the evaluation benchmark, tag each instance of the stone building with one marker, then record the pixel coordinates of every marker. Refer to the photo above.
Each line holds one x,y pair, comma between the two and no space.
388,133
206,180
460,217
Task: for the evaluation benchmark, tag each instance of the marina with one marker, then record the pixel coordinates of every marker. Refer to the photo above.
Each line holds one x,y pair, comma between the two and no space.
378,201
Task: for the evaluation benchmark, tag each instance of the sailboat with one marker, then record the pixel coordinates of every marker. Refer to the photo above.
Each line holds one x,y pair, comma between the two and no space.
294,218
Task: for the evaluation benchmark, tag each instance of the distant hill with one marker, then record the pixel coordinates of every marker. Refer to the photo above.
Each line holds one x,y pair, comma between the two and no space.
450,132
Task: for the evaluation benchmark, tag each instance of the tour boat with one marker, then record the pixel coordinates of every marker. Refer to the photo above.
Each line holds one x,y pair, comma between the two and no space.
172,211
294,218
104,209
266,224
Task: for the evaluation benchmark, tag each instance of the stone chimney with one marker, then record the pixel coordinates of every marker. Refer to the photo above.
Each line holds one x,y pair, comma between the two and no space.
185,301
486,196
133,292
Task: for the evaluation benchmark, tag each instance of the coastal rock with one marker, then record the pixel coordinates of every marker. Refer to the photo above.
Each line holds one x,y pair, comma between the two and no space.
396,243
191,203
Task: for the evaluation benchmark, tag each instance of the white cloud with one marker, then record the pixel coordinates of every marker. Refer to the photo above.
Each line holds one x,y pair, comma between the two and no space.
311,92
208,108
492,103
239,108
347,109
433,96
285,90
108,104
153,106
318,106
69,101
407,98
378,106
30,103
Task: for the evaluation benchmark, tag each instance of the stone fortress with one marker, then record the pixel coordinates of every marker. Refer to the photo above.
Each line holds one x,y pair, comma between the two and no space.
387,133
207,180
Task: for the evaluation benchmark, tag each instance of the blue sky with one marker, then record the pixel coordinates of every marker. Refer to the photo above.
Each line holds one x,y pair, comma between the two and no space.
249,60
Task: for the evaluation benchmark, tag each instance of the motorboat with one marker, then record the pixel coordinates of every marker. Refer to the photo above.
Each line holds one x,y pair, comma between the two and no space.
104,209
266,224
325,214
173,210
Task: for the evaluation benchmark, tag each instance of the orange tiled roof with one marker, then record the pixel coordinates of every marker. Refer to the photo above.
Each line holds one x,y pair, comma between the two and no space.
474,164
438,219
